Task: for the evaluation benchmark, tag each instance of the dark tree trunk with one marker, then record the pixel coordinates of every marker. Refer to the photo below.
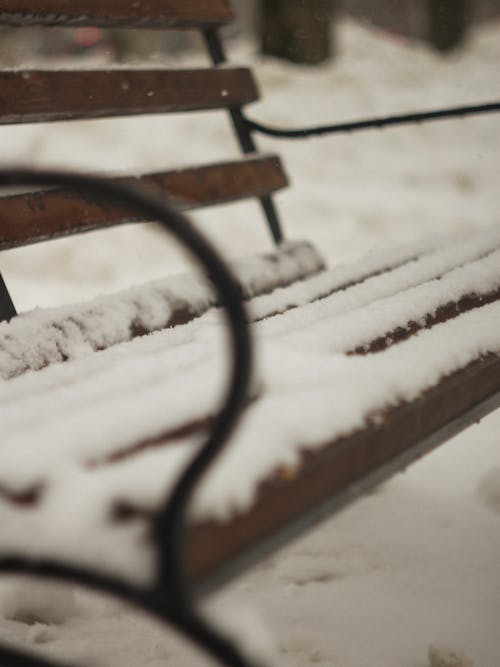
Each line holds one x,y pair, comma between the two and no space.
448,21
297,30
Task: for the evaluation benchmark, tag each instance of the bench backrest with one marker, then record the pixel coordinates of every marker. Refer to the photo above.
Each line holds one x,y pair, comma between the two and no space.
37,96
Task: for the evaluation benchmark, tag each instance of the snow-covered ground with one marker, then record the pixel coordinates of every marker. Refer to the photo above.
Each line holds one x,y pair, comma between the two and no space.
413,568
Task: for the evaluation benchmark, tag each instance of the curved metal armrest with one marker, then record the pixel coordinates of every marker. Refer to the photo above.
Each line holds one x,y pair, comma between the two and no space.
169,597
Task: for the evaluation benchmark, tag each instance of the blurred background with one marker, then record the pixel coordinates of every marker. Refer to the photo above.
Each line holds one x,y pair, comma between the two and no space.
296,30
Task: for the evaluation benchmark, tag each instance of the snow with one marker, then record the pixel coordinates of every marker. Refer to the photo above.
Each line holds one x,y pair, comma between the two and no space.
407,575
443,657
41,337
398,292
32,604
67,417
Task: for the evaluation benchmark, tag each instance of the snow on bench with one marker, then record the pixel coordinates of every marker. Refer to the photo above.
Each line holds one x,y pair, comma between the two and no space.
92,442
44,336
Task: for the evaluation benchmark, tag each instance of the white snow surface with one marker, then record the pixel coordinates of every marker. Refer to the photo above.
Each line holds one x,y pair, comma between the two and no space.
411,568
59,422
41,337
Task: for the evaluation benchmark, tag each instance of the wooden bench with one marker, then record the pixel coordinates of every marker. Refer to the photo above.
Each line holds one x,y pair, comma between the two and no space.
361,369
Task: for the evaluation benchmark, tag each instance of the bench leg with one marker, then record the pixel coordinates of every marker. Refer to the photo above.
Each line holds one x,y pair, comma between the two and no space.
7,309
245,139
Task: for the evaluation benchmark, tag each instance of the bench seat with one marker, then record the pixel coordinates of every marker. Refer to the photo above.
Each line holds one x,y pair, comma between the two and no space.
98,418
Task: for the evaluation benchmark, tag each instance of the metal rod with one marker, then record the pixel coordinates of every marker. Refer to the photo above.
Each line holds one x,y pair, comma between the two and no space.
7,308
372,123
169,597
244,136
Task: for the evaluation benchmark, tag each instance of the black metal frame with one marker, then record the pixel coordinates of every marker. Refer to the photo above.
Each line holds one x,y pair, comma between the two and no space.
168,597
7,308
241,127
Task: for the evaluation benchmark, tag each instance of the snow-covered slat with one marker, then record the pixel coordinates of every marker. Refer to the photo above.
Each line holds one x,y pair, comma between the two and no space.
373,326
304,491
34,96
109,13
343,289
35,339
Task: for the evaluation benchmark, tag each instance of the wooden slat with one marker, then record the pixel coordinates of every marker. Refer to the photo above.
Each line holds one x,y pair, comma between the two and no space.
29,218
38,96
328,478
150,14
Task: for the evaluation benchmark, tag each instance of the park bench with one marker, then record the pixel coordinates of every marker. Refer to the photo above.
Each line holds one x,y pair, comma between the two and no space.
360,369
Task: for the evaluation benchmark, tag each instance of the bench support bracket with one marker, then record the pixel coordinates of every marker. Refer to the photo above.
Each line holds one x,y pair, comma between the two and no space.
216,50
7,308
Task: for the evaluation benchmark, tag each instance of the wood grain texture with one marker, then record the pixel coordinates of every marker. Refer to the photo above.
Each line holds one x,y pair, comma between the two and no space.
150,14
29,218
32,96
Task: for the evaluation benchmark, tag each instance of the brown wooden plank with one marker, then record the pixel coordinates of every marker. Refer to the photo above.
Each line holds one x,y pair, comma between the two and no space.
153,14
32,96
29,218
326,479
